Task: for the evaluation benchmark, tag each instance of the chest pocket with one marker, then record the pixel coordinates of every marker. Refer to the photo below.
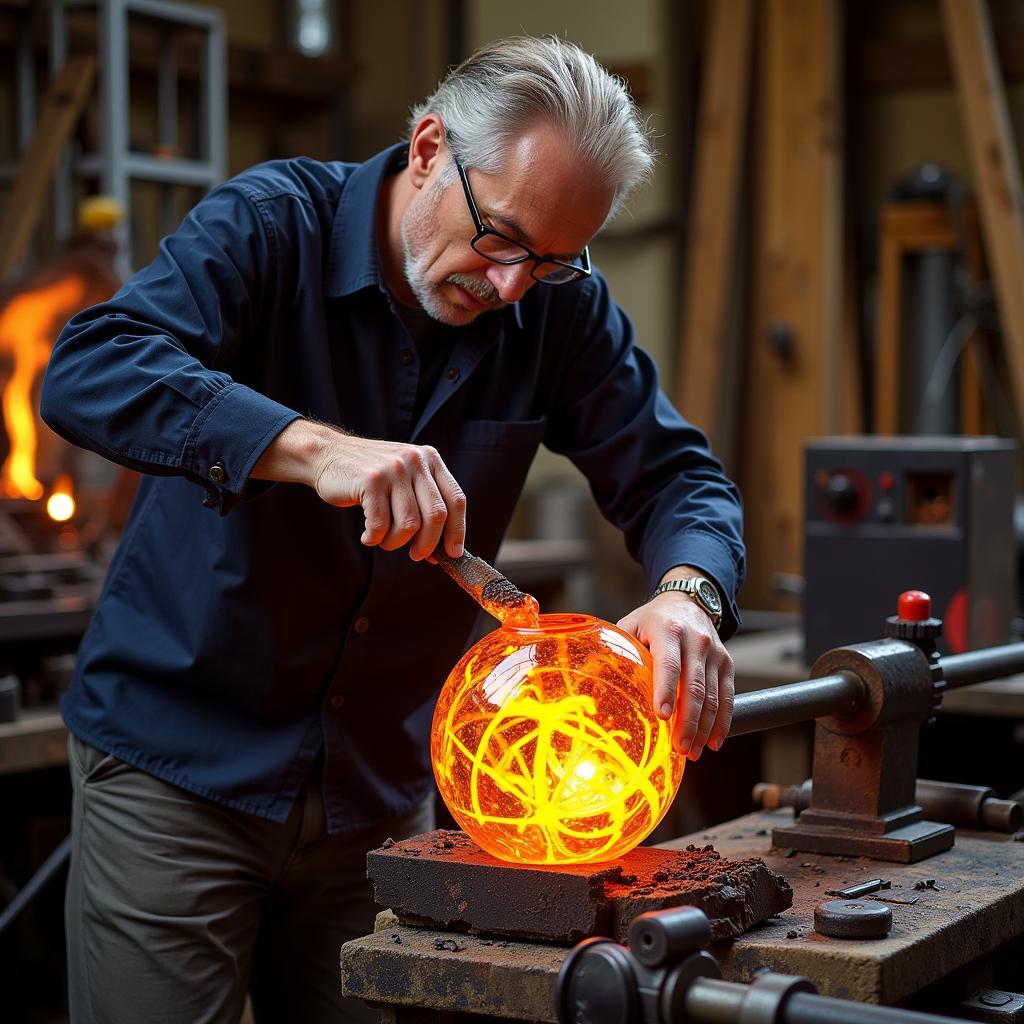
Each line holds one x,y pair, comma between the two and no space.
509,436
490,459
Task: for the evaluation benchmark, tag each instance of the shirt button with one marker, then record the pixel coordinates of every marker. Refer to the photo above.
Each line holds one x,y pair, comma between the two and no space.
452,373
361,625
217,473
337,700
405,357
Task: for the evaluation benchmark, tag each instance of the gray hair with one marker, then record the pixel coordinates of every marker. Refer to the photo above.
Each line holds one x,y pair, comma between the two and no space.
492,97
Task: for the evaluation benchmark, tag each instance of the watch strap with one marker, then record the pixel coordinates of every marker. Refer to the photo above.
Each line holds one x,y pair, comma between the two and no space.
689,587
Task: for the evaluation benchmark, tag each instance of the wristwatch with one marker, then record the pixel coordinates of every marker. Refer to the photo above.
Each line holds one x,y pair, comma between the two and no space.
701,589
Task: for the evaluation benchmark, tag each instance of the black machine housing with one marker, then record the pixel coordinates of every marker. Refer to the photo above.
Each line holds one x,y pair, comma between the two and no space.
885,513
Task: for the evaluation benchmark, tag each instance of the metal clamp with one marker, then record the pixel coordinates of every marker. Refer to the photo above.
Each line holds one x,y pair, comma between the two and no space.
764,1002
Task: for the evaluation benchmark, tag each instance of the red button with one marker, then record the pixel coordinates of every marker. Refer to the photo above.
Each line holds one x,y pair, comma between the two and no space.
886,481
914,606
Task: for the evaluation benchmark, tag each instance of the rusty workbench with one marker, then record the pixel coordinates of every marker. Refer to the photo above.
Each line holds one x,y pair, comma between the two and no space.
979,909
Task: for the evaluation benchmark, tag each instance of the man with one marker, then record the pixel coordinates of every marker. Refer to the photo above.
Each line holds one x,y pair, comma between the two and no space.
251,704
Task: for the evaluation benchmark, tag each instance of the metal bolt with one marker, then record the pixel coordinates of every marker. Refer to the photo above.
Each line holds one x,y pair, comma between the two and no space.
990,997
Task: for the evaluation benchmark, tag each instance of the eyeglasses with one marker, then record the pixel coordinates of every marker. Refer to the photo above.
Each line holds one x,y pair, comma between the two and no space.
499,248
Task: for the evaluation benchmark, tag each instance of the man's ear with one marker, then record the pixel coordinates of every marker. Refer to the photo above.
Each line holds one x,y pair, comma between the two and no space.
427,150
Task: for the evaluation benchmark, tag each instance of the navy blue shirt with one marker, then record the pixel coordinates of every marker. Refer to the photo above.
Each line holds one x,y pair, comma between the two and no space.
243,626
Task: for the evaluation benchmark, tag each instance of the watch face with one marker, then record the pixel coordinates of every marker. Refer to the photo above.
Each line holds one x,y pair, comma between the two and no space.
709,596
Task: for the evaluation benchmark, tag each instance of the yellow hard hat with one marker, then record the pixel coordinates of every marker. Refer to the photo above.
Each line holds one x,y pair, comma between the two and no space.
100,213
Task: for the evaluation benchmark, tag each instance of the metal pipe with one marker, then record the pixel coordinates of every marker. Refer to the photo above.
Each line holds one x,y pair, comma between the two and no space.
719,1002
32,887
979,666
804,1008
841,694
975,807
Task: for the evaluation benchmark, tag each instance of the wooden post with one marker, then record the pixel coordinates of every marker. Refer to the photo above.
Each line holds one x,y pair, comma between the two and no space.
62,108
793,359
996,168
711,245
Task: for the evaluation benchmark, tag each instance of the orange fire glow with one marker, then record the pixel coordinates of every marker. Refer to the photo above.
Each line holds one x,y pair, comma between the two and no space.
545,745
28,324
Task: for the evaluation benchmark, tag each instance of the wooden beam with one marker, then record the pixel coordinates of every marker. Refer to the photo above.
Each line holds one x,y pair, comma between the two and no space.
29,191
996,167
895,64
274,74
711,245
793,359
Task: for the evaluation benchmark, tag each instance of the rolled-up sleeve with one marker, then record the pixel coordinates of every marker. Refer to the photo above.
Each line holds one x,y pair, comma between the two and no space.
137,378
651,472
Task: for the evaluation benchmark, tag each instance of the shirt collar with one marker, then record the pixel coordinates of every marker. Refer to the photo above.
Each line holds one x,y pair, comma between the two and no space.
354,259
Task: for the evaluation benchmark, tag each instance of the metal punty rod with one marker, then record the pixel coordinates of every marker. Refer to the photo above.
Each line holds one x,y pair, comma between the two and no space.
720,1002
844,694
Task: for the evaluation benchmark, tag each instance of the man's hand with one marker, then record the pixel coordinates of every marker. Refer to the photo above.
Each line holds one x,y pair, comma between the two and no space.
691,663
407,494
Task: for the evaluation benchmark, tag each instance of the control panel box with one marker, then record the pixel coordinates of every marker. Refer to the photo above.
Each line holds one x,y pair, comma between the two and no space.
888,514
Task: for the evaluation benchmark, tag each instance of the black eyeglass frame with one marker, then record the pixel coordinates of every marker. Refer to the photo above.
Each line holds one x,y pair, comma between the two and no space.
482,230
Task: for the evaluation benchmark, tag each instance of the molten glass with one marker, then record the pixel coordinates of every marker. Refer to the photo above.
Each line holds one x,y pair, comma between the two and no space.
546,747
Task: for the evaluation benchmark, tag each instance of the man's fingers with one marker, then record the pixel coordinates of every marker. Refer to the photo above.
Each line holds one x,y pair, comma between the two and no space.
405,516
455,505
708,711
406,491
693,691
667,667
433,513
726,701
377,517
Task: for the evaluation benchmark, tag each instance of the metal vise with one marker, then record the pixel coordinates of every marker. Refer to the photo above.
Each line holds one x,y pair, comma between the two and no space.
870,701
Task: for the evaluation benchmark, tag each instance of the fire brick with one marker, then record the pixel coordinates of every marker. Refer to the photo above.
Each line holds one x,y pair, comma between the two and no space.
444,880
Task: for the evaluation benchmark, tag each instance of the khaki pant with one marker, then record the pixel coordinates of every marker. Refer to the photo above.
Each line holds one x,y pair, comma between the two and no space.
177,906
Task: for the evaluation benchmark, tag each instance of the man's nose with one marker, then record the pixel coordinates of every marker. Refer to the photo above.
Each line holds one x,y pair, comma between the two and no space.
512,280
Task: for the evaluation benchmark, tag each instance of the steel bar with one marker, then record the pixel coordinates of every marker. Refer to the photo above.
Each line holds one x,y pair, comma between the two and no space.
841,694
979,666
63,214
175,171
35,884
719,1002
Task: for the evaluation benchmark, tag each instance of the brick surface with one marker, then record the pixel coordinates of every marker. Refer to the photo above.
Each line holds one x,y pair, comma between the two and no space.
444,880
735,894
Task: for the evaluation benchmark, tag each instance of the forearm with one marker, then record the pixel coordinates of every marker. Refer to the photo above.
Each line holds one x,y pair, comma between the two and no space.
297,454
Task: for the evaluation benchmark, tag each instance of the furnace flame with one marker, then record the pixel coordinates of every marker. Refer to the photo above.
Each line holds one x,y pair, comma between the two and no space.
29,322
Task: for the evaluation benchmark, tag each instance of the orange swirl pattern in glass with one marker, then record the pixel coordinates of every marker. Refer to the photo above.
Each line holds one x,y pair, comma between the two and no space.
545,745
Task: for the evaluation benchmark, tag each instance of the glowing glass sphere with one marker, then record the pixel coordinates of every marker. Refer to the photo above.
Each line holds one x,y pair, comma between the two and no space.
546,747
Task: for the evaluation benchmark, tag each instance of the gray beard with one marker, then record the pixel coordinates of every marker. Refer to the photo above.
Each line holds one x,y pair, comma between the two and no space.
418,228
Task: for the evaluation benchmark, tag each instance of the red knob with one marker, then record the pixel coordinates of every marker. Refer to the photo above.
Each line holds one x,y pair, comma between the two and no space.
914,606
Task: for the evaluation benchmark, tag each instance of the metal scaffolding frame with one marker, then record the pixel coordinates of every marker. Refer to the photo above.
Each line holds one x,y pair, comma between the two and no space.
115,165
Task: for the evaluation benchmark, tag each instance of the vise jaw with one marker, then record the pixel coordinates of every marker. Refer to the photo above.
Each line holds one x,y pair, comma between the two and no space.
865,763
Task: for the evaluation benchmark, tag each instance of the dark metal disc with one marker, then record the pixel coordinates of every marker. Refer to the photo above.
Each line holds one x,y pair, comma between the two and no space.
852,919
